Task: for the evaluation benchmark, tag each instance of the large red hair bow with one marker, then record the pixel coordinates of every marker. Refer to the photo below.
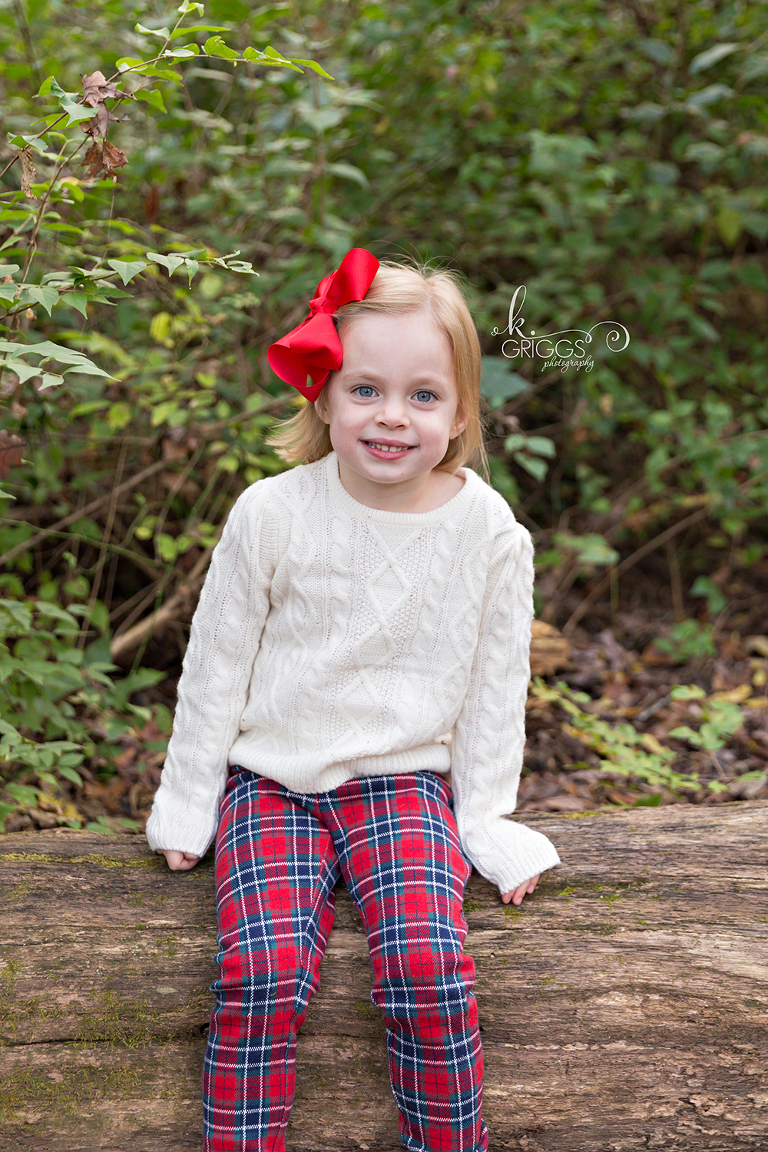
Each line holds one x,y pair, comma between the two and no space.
314,349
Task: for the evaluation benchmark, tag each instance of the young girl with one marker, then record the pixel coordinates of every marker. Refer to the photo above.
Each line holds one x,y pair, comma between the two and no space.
358,608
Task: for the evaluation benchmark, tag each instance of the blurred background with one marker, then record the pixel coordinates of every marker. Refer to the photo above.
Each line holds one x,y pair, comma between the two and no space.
176,181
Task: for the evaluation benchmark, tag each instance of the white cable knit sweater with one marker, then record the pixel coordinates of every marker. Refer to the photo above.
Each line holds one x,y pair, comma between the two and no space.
333,640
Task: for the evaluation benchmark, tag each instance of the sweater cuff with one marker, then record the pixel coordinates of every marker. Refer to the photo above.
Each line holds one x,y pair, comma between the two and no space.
173,828
508,853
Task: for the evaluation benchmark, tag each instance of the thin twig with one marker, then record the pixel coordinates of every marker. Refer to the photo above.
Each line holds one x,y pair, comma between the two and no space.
635,558
644,550
12,553
134,636
104,547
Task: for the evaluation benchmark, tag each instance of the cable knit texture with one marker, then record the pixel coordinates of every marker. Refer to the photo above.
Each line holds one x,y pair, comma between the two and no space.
333,640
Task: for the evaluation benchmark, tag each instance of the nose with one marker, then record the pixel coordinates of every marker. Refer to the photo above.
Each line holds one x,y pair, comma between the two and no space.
392,412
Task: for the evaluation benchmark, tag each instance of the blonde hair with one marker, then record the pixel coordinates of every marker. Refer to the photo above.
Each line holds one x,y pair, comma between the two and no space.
398,289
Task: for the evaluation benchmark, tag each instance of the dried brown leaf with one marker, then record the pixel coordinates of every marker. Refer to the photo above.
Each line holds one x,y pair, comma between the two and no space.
28,172
113,158
97,89
11,451
104,158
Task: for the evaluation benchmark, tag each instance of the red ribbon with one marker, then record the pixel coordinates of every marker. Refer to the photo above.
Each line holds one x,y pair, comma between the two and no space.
314,349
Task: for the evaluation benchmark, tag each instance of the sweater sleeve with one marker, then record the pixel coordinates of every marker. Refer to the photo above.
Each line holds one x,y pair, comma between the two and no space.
489,734
212,692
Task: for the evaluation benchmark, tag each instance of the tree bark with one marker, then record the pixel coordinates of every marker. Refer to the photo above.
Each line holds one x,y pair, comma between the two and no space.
623,1007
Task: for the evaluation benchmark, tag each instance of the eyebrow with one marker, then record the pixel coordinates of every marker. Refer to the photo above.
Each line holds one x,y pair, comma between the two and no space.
369,377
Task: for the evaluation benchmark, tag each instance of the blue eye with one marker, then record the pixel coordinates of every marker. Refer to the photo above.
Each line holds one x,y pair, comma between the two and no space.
424,396
365,390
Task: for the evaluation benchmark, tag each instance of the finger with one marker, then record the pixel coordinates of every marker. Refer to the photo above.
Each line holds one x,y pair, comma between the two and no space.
180,861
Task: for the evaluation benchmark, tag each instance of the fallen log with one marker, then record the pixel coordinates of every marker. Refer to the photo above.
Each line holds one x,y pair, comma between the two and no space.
623,1007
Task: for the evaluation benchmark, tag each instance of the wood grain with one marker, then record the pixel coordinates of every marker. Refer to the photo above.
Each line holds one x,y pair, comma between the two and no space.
624,1007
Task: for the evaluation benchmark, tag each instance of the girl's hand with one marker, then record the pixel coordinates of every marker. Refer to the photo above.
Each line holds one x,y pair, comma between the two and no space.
524,889
180,861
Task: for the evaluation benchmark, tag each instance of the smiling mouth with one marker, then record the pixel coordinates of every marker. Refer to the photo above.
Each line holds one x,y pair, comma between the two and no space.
388,447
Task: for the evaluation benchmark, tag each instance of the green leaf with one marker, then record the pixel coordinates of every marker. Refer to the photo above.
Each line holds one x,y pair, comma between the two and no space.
166,74
119,415
163,33
185,53
728,222
687,692
348,172
533,464
70,774
56,612
151,96
276,59
242,266
46,297
22,370
166,546
323,118
77,300
199,28
127,269
100,617
23,794
315,67
75,112
50,380
591,548
130,63
215,46
188,6
541,446
657,50
50,351
683,732
171,263
711,56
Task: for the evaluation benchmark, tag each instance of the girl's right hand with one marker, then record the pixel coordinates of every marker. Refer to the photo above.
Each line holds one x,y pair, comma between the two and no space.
180,861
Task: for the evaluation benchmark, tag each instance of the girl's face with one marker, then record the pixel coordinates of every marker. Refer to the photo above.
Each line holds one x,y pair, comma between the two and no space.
392,407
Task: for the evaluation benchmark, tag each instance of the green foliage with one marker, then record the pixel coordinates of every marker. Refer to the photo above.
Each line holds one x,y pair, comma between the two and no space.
719,719
687,640
622,749
55,696
607,158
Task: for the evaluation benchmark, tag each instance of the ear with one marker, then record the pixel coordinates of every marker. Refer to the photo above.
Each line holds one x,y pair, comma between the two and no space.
459,424
321,404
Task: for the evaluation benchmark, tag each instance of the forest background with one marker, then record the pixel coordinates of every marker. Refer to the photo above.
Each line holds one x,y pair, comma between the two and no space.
175,181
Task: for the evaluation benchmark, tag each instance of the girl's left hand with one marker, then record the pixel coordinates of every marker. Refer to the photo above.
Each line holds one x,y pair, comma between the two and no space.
524,889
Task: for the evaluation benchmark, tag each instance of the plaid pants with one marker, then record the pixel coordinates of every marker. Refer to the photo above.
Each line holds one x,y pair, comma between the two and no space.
278,856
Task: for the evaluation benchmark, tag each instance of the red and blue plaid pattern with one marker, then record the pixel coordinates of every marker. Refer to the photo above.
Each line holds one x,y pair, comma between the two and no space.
278,856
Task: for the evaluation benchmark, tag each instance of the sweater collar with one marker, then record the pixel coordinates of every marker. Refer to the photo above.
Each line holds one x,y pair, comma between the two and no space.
360,511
